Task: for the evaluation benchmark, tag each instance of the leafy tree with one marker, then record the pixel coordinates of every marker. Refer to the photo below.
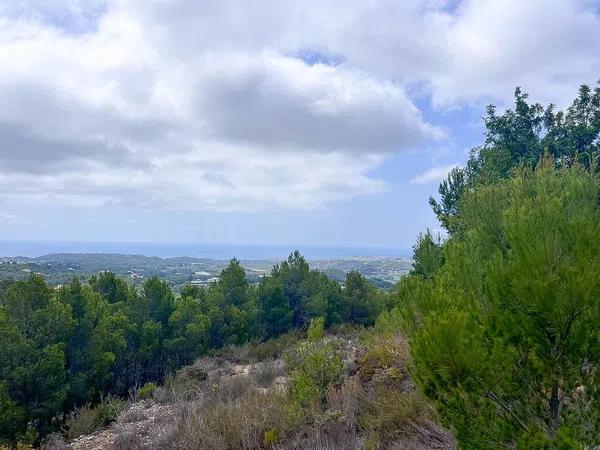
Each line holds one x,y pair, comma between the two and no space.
159,299
231,308
276,313
521,136
12,418
293,274
33,328
67,347
364,300
189,327
109,286
428,255
4,285
450,190
504,338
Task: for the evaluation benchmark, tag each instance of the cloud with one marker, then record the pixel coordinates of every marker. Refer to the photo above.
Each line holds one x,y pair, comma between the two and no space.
435,174
112,116
12,219
221,106
548,47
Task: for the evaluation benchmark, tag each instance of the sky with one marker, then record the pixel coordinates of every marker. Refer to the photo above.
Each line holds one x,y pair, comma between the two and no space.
315,122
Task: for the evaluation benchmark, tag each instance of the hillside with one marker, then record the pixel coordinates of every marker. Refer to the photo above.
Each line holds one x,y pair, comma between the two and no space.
251,397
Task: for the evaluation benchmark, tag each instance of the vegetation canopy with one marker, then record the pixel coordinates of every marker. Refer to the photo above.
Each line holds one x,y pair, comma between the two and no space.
505,335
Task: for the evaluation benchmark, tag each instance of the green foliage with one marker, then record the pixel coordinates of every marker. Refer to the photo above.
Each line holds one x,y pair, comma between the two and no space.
70,347
365,301
315,367
110,287
87,419
391,414
271,437
275,310
146,391
521,136
504,338
384,357
316,329
428,255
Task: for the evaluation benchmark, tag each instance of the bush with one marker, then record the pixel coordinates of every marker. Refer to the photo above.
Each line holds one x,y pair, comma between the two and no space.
387,355
82,421
392,414
146,391
273,348
316,329
196,373
265,373
87,419
271,437
249,420
315,367
109,409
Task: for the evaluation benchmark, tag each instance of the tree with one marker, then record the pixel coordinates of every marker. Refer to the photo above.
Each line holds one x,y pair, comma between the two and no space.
504,338
231,308
520,137
12,419
450,190
276,313
428,255
189,327
109,286
293,274
364,301
33,329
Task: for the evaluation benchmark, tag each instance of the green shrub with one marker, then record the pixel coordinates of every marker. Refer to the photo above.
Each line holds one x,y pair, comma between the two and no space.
82,421
273,348
271,437
392,414
506,336
316,329
87,419
381,355
109,409
315,367
146,391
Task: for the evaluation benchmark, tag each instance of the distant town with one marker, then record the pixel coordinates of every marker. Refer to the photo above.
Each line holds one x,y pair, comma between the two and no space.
59,268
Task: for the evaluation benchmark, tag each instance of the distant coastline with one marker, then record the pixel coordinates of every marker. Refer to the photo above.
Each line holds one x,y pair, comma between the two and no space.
195,250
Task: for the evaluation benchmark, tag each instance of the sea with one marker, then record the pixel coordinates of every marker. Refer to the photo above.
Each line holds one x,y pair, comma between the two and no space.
195,250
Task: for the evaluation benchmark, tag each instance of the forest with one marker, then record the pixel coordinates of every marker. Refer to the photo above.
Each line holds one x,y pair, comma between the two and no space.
61,348
500,316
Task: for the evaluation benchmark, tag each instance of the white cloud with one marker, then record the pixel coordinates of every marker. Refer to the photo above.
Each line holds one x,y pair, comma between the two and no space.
435,174
198,104
13,219
548,47
114,117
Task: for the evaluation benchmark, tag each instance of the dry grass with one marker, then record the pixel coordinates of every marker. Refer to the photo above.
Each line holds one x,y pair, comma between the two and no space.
55,442
235,416
221,404
265,373
347,400
82,421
